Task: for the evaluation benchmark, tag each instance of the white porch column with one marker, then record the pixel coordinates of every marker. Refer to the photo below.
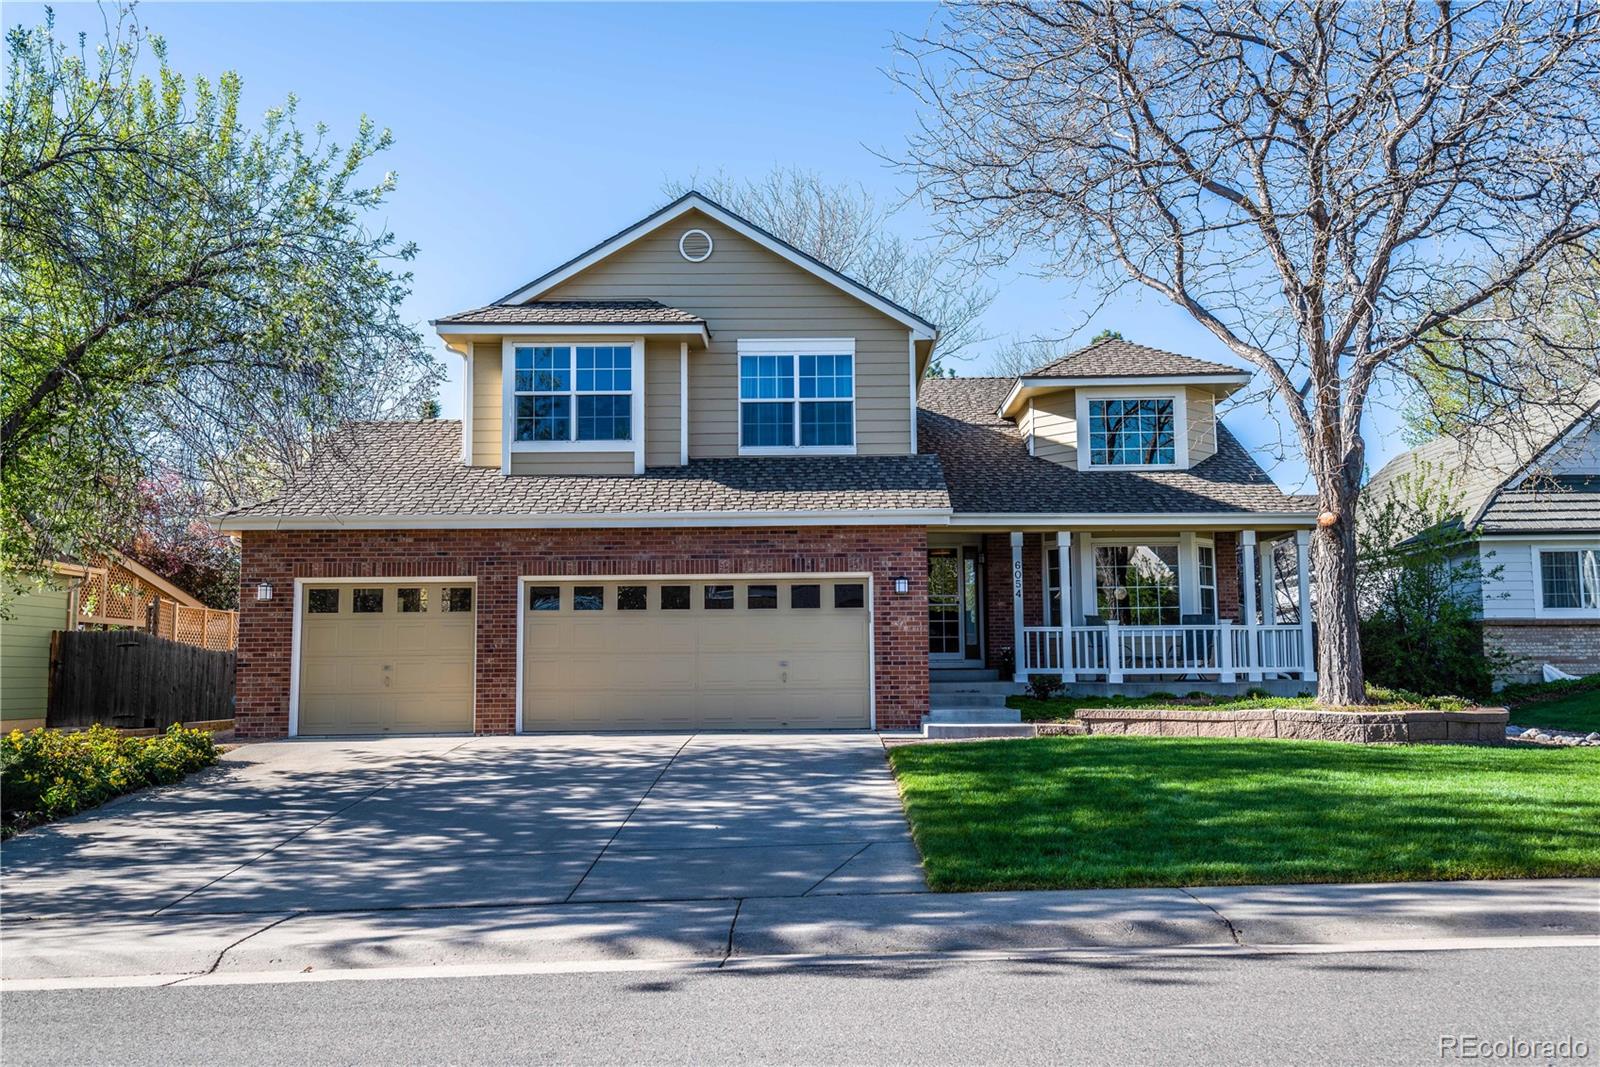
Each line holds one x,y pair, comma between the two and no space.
1018,672
1064,562
1302,561
1188,575
1247,571
1269,586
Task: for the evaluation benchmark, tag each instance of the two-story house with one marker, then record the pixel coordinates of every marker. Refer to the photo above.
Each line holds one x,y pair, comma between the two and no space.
701,481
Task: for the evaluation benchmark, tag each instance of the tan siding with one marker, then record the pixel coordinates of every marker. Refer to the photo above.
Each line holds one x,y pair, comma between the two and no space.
1202,415
745,291
572,463
25,653
662,415
1055,427
486,404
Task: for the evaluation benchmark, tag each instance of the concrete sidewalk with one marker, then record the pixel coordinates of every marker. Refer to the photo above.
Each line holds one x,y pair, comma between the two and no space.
179,945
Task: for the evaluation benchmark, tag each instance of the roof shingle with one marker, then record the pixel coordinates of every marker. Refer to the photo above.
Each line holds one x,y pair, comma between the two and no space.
575,313
1112,357
414,469
988,469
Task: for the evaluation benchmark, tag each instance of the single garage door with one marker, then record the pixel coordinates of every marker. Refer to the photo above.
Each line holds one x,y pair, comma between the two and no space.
386,658
665,654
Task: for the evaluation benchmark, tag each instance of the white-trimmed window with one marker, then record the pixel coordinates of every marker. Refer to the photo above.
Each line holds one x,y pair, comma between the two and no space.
1205,554
1569,581
1133,431
797,396
567,393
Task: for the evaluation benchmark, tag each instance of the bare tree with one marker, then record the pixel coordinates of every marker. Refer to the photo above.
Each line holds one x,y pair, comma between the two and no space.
845,227
1020,355
1325,187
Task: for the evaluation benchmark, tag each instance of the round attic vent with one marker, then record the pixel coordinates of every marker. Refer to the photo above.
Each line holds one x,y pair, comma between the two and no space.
695,246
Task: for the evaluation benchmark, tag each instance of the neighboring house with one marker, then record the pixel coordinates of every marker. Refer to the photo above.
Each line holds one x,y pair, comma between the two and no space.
700,481
1531,497
115,593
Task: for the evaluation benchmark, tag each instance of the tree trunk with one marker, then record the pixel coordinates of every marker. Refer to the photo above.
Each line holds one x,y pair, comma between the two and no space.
1340,678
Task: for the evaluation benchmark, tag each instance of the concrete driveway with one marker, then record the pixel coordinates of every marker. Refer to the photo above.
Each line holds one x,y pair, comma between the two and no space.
311,826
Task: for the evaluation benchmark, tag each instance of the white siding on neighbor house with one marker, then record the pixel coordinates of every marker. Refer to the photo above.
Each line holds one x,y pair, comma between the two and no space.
1514,592
1580,454
745,291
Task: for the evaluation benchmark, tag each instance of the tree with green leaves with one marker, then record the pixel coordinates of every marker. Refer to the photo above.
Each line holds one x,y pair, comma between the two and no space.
180,292
1420,580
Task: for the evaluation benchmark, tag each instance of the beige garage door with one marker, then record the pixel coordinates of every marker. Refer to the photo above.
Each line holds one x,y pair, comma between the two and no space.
386,658
667,654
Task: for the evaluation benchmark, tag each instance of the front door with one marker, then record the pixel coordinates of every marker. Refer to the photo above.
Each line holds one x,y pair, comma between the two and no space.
953,628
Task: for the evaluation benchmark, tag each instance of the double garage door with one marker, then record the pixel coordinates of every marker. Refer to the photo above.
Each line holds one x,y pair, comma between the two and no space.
668,654
598,654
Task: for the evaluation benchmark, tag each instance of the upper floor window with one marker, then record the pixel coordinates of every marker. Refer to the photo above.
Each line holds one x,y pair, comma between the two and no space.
1133,432
573,392
797,395
1569,580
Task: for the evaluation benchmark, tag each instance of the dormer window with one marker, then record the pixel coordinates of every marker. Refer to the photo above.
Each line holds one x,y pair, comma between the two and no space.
1132,428
1133,432
573,393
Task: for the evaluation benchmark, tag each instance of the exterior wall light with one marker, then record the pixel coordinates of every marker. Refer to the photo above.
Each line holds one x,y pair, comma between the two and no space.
264,591
902,585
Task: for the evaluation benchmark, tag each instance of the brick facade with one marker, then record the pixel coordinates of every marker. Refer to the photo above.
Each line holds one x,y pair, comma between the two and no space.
497,557
997,591
1573,645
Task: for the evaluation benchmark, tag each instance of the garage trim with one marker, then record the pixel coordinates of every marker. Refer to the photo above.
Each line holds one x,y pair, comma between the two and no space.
697,576
298,604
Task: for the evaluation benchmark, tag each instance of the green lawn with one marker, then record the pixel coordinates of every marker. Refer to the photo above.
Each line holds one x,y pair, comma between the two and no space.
1133,811
1573,705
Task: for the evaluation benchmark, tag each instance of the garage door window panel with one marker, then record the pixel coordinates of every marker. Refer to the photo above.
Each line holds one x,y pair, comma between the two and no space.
367,601
849,595
412,600
805,596
544,598
588,598
719,598
632,598
676,598
457,598
323,601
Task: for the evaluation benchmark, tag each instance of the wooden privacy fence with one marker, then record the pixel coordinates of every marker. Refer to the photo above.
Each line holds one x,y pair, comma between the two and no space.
135,680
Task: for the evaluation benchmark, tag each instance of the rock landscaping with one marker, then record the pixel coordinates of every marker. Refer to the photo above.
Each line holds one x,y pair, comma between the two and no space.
1535,735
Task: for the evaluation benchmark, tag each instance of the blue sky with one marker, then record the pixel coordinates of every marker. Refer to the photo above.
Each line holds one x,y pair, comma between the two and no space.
526,132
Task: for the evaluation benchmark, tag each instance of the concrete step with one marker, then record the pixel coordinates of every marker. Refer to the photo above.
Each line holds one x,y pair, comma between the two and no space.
970,714
1003,688
967,700
934,730
963,674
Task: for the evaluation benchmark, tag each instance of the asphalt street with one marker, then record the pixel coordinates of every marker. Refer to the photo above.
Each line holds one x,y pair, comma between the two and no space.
1341,1008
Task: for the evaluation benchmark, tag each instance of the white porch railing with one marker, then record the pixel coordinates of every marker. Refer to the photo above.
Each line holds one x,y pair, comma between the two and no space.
1114,652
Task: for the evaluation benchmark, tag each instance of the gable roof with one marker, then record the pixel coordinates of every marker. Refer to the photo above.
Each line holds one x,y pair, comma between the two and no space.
988,469
1113,361
696,201
1112,357
395,475
1497,472
575,313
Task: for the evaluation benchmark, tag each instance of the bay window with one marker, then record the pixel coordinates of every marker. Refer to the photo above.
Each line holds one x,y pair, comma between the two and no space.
796,396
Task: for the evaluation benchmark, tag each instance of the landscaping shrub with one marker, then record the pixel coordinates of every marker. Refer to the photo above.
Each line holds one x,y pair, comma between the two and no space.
1044,686
47,774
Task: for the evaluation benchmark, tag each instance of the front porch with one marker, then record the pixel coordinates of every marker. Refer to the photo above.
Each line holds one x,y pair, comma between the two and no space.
1124,611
